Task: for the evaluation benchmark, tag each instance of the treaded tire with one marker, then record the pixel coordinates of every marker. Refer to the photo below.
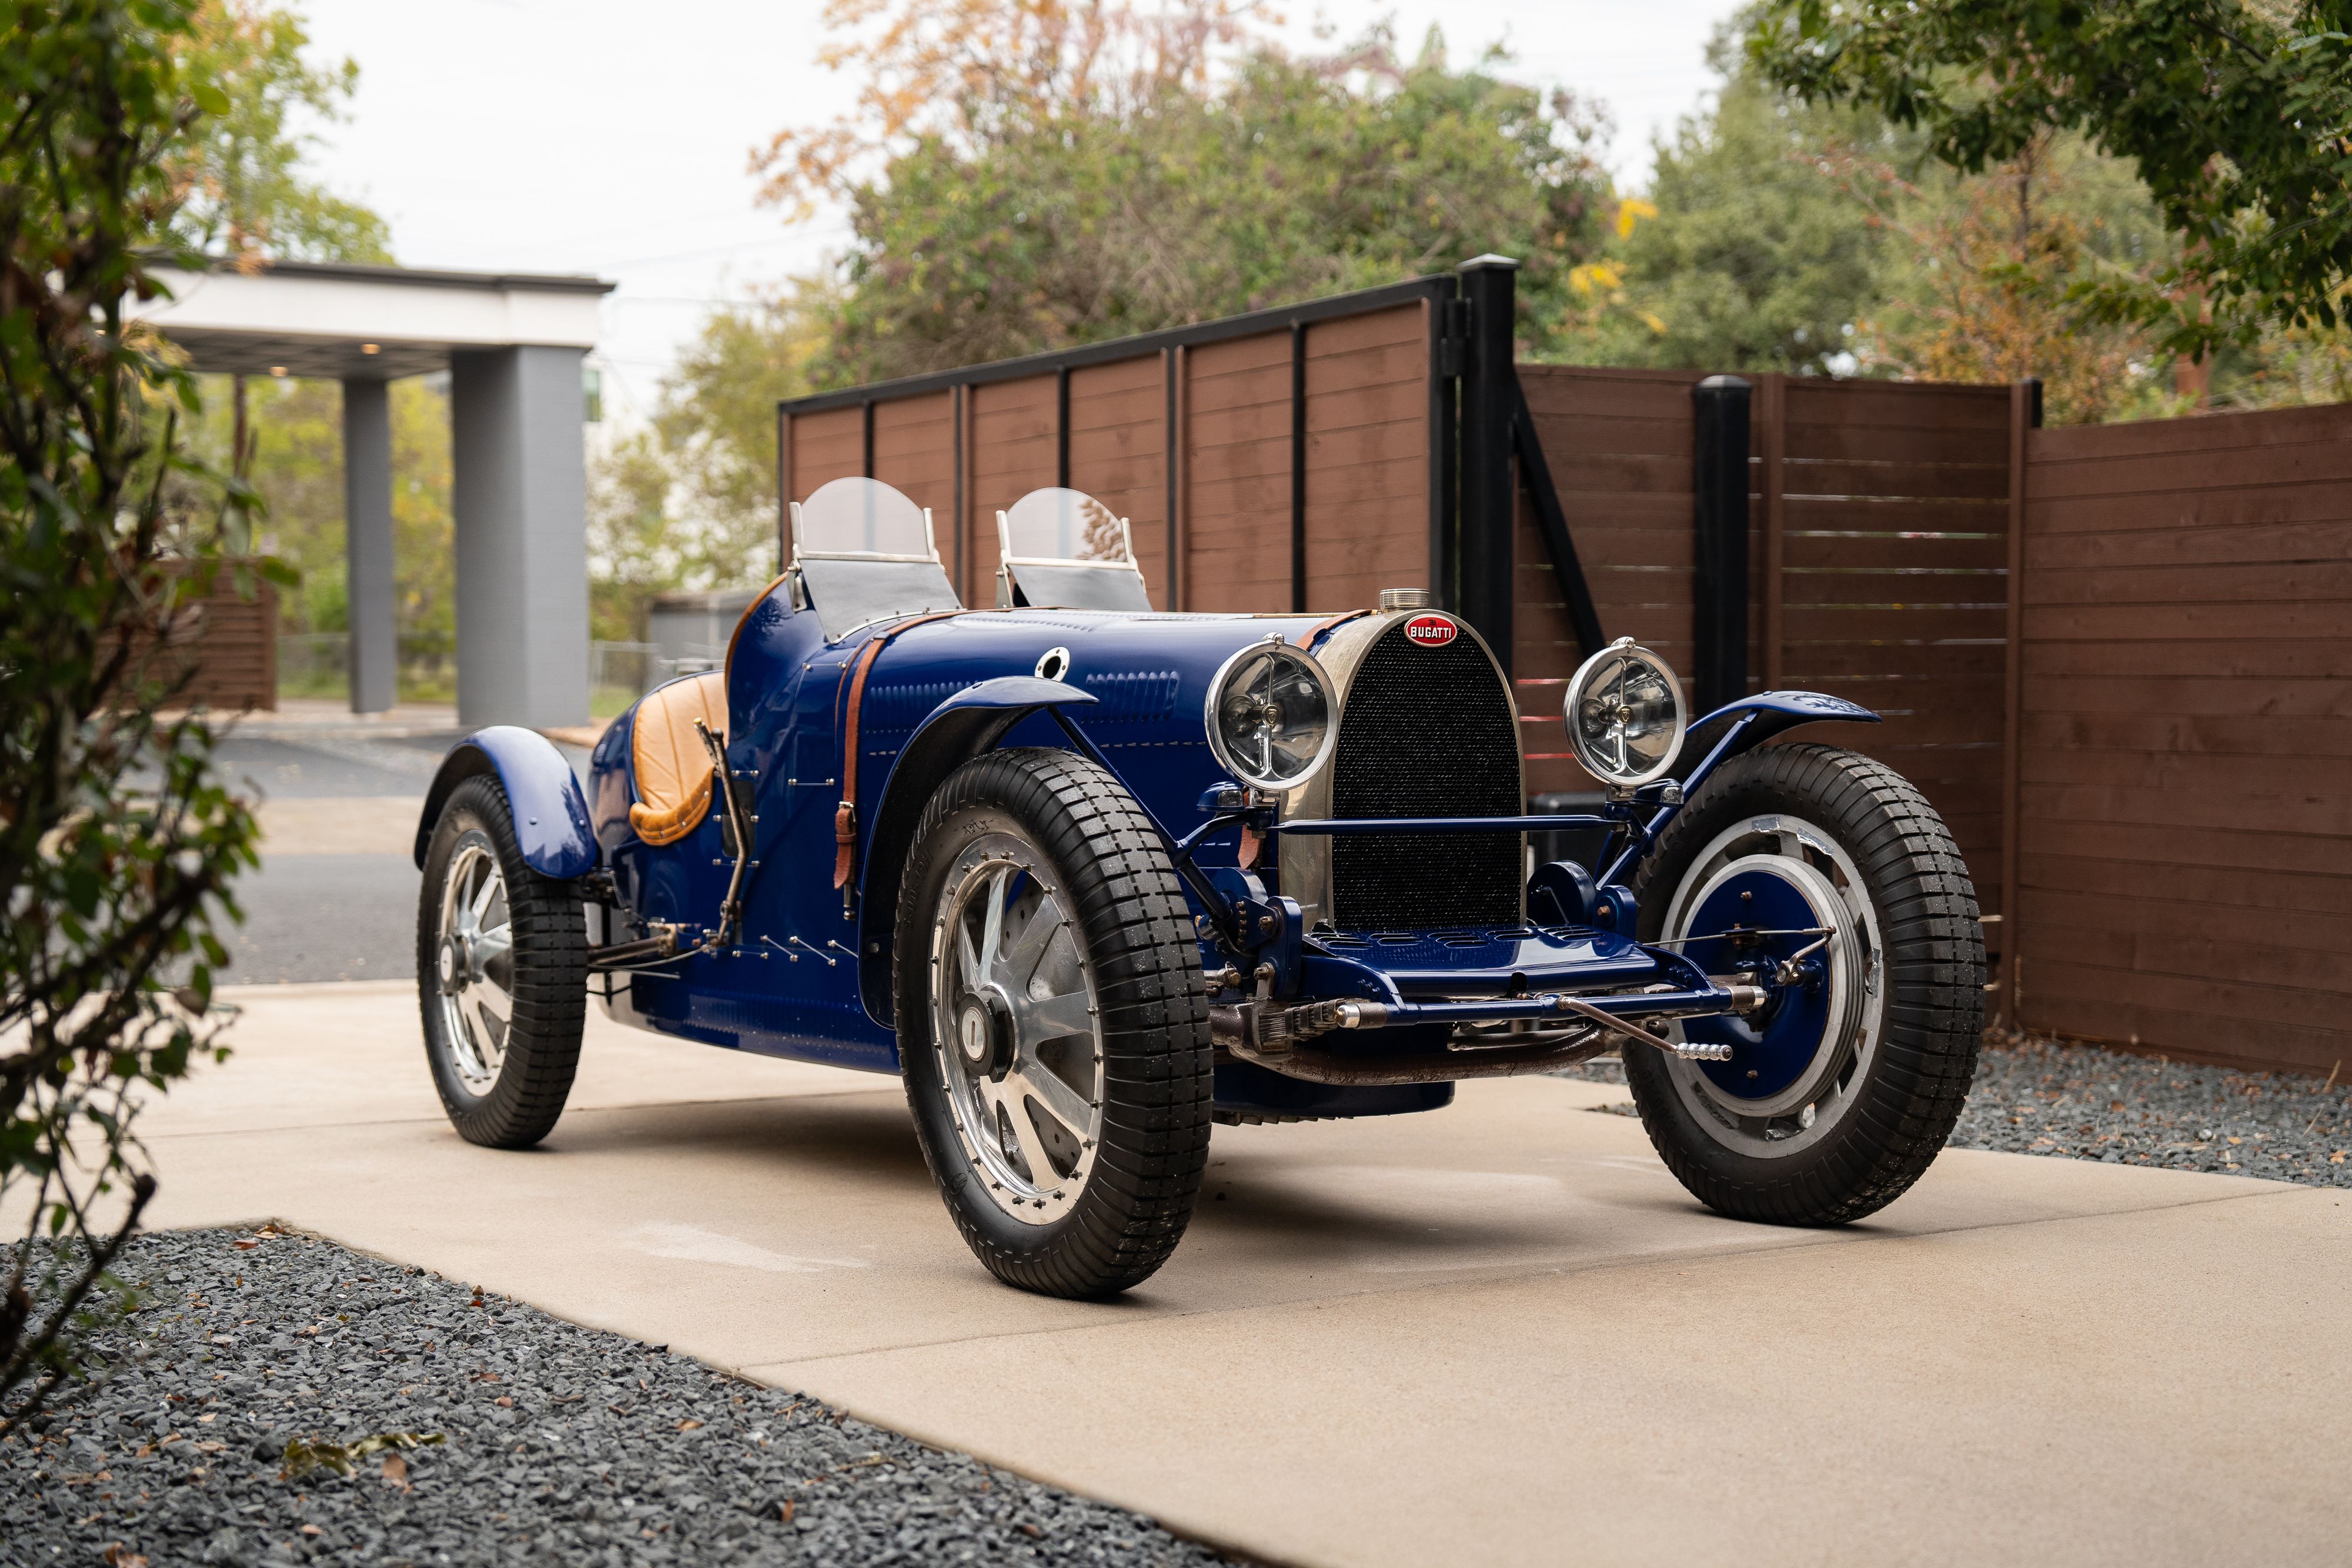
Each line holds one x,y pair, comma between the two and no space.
1895,1122
1136,934
549,975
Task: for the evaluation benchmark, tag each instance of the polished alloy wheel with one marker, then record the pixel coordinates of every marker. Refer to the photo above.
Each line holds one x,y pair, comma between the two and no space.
473,963
1015,1028
1798,1067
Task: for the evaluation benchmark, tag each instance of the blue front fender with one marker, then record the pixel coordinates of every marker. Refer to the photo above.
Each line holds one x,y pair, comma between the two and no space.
1767,715
551,813
961,728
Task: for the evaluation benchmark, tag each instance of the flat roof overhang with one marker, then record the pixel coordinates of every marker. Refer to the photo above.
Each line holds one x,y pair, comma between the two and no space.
350,322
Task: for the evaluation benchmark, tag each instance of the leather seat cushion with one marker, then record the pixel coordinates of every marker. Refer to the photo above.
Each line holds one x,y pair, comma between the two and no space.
673,770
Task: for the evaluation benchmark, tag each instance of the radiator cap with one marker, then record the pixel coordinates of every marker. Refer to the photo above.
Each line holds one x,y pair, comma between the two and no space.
1404,599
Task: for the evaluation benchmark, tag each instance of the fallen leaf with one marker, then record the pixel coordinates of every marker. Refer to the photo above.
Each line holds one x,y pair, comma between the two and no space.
786,1512
687,1426
246,1246
396,1470
302,1457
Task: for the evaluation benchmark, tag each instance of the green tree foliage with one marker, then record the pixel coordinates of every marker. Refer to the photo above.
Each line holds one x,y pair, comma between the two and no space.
1130,183
1760,257
296,472
2237,117
245,192
1824,238
118,838
690,501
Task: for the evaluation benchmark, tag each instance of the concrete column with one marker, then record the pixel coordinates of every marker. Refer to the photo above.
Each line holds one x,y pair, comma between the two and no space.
367,545
521,513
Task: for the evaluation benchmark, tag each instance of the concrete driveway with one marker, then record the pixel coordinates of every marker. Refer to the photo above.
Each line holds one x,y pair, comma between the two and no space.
1496,1333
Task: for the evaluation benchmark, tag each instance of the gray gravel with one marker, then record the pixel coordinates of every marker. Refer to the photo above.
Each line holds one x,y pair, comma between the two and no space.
557,1444
2079,1101
2036,1097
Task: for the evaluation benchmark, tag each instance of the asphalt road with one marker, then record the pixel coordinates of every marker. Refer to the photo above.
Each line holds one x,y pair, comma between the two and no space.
311,916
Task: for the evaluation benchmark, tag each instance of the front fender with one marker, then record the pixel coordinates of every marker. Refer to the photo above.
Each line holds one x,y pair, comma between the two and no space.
953,734
1769,713
551,813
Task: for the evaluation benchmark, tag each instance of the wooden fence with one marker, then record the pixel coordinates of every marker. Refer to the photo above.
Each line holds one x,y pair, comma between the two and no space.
1877,524
223,648
2118,660
1303,439
2183,767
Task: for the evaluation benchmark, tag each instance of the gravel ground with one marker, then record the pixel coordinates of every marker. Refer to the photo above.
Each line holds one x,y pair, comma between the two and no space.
2038,1097
2079,1101
536,1441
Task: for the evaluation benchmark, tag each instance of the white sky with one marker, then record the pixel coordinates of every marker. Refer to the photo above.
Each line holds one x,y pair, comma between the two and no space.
597,136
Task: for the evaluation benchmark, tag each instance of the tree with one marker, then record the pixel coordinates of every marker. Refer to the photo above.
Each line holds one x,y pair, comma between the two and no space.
118,838
690,501
1759,258
246,193
1128,173
2237,117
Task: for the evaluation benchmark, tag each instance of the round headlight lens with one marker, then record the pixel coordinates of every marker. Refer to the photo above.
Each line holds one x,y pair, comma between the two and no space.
1625,715
1270,715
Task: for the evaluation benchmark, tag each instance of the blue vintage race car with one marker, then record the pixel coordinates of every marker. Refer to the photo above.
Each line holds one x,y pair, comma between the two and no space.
1092,877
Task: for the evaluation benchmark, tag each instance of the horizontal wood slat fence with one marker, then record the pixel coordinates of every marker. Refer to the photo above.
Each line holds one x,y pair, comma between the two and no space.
222,648
2118,660
2183,765
1877,548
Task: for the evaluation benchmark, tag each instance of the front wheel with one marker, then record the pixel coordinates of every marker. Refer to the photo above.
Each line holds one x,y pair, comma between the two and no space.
1841,891
501,975
1052,1024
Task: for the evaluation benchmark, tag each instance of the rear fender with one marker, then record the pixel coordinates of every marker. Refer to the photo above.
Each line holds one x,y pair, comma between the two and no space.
969,723
550,813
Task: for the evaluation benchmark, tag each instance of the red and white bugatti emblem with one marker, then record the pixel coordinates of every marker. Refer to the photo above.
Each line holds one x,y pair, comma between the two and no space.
1431,631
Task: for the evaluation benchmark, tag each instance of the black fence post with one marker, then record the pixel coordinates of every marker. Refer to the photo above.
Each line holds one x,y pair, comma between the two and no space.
1719,578
1490,287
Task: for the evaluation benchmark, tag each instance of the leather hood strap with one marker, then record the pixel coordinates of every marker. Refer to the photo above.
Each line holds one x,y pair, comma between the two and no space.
1306,638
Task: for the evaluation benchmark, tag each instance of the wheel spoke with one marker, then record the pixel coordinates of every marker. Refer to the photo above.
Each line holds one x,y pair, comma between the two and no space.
1061,1101
1023,955
992,931
1054,1016
494,943
480,906
492,999
486,1046
1018,1090
966,958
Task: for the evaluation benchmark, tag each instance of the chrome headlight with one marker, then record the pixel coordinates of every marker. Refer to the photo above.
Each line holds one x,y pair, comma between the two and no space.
1625,715
1271,716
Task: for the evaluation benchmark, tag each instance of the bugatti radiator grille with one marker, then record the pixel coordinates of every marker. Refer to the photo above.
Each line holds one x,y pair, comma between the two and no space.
1426,732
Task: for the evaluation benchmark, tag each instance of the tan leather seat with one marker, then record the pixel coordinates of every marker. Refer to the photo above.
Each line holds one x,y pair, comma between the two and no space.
673,768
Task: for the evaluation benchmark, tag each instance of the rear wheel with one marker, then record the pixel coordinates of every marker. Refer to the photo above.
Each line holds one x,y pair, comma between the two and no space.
1052,1026
501,975
1850,902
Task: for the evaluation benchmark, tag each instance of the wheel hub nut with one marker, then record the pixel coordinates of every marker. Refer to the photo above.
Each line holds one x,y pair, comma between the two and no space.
985,1034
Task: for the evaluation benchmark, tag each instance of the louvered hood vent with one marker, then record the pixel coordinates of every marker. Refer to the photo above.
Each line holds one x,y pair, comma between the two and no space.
1425,732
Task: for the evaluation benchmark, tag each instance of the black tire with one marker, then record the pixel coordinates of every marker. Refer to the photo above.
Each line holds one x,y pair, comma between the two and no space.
1132,936
544,972
1915,1057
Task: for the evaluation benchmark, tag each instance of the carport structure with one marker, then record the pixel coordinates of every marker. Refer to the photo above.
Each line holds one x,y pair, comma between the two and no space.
513,346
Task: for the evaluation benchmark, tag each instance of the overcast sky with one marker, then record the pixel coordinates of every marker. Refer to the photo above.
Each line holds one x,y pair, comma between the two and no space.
596,136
